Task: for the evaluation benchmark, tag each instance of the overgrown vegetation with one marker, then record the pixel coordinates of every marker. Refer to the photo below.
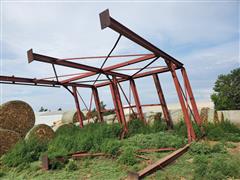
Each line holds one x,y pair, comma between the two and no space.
102,137
225,131
213,162
24,152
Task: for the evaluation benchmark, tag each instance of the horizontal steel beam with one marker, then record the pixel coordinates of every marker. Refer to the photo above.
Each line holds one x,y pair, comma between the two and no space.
162,162
47,59
101,57
107,21
140,75
109,68
39,82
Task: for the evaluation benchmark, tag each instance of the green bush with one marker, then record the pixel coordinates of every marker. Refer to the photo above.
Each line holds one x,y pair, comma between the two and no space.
111,146
198,148
71,166
219,148
89,138
219,166
201,166
128,156
56,164
155,140
158,125
2,174
180,128
136,126
24,152
225,131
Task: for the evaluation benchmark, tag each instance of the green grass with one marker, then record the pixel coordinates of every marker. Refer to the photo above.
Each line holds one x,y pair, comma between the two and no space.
203,159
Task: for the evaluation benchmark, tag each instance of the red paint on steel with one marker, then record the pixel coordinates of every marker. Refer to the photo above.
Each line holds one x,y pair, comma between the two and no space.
166,113
109,68
129,104
101,57
97,103
115,103
107,21
31,81
191,97
51,60
191,133
140,75
119,102
163,162
79,114
137,100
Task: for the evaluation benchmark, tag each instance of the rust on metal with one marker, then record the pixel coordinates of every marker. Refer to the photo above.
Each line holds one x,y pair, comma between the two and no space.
162,162
155,150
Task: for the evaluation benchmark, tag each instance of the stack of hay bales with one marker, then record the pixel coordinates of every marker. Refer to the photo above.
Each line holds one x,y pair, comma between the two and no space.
41,132
16,119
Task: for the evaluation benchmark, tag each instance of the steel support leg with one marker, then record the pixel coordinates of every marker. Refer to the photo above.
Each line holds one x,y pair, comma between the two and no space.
79,114
191,97
115,103
97,103
137,101
166,113
190,131
119,103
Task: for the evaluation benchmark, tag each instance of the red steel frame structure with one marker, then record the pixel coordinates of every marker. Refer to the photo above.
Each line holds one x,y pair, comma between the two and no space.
114,79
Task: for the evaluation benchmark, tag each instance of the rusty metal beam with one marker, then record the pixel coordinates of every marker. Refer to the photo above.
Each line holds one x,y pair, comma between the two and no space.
109,68
113,92
137,100
119,103
79,114
140,75
47,59
191,96
162,162
101,57
187,119
97,103
38,82
166,113
107,21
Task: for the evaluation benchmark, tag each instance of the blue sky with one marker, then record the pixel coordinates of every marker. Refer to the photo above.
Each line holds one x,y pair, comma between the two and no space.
202,35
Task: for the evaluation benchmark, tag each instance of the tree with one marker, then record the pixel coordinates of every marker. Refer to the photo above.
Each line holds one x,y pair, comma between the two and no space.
41,109
226,94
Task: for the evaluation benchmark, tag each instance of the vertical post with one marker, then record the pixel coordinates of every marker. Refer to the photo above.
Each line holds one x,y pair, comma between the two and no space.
137,101
115,103
191,97
79,114
97,103
119,102
190,131
163,103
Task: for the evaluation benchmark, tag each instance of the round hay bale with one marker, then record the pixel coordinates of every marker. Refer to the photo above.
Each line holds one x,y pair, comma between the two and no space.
70,117
17,116
204,114
41,132
8,139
